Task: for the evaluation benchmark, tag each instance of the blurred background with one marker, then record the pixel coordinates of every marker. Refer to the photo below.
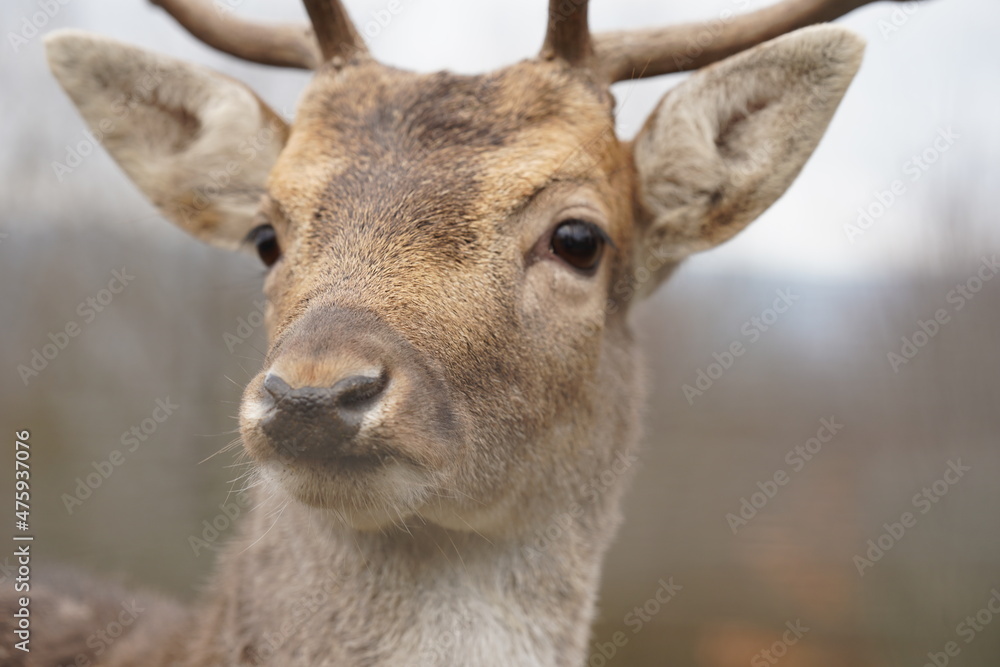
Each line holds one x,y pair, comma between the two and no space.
820,551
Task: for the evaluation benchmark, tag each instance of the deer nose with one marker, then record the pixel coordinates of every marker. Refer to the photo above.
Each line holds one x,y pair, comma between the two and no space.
319,423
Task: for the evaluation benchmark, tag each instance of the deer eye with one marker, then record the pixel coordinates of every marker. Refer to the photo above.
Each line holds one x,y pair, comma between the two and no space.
266,241
579,243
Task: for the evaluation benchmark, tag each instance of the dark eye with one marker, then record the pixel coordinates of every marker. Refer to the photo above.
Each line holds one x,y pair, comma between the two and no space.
579,243
266,241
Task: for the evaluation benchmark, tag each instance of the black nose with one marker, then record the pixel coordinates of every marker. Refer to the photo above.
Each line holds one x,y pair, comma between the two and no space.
320,423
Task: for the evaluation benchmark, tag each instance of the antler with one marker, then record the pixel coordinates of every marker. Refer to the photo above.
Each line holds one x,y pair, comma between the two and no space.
679,48
334,30
614,56
283,45
568,36
643,53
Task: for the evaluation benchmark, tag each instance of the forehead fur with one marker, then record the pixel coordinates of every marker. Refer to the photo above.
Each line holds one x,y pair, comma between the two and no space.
372,145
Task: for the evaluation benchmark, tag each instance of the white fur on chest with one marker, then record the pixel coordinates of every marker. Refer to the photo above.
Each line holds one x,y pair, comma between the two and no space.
452,625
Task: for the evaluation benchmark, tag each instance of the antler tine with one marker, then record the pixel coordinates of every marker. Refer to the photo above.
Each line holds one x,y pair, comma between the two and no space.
568,36
679,48
282,45
334,30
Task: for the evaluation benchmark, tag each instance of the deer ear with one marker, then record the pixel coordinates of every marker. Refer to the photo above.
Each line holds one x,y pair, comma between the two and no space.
198,144
723,145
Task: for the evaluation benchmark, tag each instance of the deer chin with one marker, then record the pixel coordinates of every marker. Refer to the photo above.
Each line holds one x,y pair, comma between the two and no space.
363,495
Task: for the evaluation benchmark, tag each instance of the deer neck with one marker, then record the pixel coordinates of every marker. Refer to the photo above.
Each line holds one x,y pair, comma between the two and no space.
311,592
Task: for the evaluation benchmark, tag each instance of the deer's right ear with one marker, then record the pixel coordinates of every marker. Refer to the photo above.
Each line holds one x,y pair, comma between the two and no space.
726,143
198,144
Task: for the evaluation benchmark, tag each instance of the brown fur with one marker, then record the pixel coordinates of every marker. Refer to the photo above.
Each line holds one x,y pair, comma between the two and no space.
413,212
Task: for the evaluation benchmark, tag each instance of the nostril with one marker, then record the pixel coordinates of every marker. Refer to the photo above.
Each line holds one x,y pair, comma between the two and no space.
353,391
350,392
275,386
319,423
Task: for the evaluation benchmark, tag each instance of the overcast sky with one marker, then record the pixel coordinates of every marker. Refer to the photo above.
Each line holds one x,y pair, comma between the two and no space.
930,67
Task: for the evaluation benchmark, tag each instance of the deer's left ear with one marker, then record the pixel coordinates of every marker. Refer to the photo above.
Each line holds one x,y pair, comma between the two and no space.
726,143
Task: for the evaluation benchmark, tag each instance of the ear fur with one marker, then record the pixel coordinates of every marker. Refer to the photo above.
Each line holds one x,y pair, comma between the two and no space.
726,143
198,144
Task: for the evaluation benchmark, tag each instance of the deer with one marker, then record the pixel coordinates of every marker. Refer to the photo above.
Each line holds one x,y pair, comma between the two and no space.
446,417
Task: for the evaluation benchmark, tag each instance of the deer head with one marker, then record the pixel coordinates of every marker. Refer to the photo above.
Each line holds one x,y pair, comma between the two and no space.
451,259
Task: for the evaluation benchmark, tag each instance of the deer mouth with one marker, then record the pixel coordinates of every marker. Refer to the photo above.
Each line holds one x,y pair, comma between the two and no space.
367,492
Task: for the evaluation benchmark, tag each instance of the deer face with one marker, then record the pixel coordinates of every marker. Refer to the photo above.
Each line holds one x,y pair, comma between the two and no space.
447,245
451,258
